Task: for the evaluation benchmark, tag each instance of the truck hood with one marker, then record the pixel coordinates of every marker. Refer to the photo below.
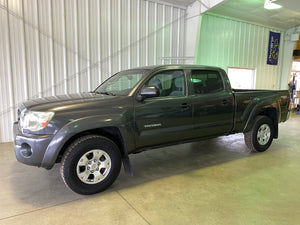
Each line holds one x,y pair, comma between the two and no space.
56,103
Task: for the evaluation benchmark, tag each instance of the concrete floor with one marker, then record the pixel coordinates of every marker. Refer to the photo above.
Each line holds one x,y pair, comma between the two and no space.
211,182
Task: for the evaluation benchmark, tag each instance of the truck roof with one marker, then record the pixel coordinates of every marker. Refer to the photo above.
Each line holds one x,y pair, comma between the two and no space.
177,66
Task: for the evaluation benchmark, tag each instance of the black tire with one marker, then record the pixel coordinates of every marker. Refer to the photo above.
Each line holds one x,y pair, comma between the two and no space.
260,137
90,164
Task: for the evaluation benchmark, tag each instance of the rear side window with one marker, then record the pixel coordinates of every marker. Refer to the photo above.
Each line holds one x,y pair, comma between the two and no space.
205,81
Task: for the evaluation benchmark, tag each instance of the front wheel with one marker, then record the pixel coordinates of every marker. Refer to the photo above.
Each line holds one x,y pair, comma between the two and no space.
91,164
260,137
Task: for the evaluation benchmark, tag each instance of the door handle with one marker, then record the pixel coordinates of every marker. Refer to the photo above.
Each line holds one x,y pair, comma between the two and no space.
185,106
224,102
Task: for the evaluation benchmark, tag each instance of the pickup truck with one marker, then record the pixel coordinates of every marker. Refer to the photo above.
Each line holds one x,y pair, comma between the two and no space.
92,134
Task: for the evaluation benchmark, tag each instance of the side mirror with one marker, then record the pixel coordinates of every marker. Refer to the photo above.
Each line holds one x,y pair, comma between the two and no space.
149,92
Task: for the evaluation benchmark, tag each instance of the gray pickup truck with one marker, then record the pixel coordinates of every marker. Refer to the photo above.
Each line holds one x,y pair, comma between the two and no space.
92,134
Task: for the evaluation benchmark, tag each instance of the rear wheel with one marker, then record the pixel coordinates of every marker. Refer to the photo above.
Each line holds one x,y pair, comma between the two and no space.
260,137
91,164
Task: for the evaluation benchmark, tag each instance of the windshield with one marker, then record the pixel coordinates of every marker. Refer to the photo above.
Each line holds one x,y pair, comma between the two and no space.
121,83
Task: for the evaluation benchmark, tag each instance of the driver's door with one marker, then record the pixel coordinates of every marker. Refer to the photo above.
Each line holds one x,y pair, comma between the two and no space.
168,117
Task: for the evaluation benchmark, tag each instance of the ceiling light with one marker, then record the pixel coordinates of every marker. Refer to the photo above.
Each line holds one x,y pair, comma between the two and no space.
270,5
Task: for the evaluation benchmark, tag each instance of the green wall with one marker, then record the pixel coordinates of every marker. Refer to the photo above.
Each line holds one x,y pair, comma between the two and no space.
228,42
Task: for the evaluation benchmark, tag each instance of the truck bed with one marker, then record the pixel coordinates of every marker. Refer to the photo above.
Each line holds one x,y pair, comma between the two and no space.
248,99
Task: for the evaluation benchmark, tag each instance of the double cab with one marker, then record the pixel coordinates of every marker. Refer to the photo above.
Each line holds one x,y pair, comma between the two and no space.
92,134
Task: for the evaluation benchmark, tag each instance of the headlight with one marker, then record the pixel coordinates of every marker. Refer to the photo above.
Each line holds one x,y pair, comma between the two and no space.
34,121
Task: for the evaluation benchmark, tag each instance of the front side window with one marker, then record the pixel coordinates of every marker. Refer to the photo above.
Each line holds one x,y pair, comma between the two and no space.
205,81
169,83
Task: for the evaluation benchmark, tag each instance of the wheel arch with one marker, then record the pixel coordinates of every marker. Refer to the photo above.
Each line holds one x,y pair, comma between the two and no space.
110,132
270,112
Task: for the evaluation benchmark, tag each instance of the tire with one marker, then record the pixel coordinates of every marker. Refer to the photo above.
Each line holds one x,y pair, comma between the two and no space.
260,137
90,164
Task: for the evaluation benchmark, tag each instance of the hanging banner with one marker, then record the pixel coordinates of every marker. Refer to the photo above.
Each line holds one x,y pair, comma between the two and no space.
273,50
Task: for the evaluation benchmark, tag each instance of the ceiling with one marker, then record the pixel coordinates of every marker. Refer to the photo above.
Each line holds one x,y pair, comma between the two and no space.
253,11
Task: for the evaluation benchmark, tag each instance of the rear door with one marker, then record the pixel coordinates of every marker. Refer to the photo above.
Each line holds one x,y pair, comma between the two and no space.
213,105
168,117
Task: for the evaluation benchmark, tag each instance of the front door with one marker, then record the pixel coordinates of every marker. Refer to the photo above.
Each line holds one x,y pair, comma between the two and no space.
168,117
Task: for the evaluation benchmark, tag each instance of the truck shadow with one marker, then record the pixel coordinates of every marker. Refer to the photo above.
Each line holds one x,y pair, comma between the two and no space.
178,159
43,188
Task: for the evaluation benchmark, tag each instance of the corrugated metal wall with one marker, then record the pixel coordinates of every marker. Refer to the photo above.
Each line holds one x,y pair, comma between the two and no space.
226,42
58,47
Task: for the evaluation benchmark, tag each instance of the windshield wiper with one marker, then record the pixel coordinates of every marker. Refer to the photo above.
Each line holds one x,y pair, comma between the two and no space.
104,93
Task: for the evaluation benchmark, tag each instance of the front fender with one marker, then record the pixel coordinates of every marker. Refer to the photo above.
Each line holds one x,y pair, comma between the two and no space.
78,126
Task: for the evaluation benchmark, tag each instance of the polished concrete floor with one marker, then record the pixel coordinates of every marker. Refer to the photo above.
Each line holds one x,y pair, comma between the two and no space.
211,182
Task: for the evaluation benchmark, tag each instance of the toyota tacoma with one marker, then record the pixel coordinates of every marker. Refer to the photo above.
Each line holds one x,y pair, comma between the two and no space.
92,134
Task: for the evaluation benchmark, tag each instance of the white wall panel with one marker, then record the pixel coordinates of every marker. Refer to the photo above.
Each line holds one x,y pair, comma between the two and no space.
6,76
227,42
59,47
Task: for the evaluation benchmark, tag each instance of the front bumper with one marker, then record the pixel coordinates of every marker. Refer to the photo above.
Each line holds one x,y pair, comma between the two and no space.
30,150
